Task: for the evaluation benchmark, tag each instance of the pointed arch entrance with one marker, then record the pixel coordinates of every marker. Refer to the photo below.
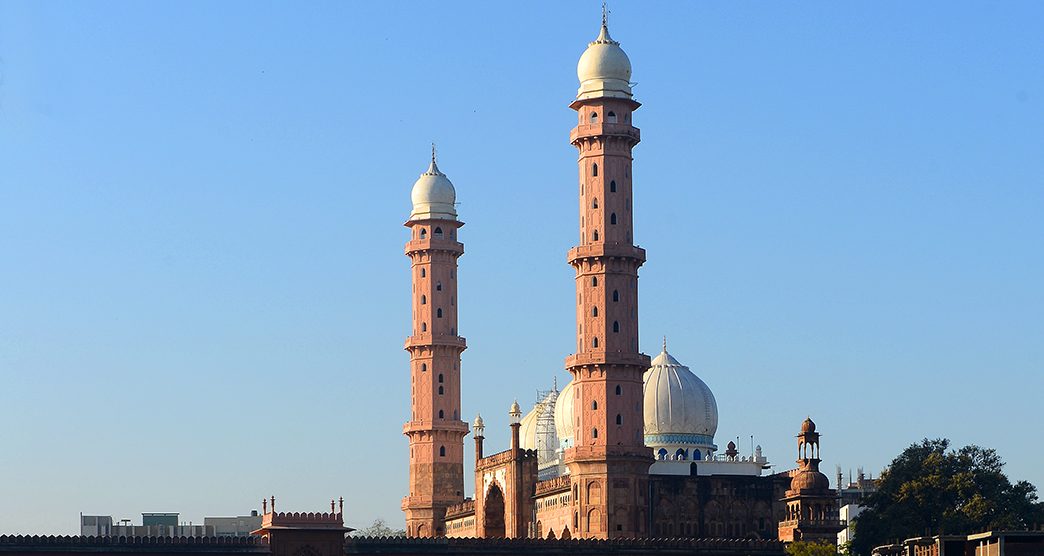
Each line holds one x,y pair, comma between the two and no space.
493,512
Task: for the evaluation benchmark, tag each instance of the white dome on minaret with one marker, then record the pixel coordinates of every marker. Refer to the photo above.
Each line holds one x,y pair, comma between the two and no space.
680,410
433,195
604,70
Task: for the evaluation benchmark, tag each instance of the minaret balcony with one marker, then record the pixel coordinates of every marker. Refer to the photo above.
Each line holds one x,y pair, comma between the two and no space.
434,244
605,129
436,340
608,358
606,250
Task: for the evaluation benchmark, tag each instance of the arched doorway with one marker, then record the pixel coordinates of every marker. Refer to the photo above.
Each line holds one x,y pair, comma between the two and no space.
493,514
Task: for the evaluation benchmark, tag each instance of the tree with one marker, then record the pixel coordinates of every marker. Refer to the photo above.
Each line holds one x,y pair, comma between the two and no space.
806,548
930,489
378,529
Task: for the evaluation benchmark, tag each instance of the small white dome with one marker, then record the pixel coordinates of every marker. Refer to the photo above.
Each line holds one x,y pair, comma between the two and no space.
679,407
604,69
433,196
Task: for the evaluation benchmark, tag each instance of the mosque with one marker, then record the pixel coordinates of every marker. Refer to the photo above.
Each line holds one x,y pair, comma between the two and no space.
627,448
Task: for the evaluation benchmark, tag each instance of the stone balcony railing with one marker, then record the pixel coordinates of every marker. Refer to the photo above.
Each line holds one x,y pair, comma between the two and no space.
624,130
434,244
606,249
429,339
827,522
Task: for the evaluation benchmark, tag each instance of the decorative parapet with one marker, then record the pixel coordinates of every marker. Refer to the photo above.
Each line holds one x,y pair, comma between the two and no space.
501,458
705,547
107,545
302,520
553,486
465,508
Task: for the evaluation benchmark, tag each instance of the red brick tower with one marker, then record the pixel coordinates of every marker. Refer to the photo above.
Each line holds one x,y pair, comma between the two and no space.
609,462
435,431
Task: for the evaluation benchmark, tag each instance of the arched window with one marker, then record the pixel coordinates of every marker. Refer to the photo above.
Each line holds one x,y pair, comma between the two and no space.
438,313
594,311
594,236
423,233
453,300
594,281
455,416
424,367
441,378
594,342
594,433
619,419
616,296
441,414
440,390
612,186
611,117
423,273
616,326
594,117
612,218
594,202
424,300
619,390
442,451
594,169
437,231
697,455
424,327
438,285
680,455
594,404
662,454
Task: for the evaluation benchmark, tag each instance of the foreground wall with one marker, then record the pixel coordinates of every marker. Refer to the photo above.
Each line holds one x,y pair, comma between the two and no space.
633,547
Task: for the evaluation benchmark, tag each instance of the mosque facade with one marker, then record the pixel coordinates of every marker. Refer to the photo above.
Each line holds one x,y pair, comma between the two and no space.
627,448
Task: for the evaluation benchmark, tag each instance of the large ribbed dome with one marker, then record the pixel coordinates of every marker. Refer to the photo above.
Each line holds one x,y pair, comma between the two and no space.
564,415
680,409
433,195
604,70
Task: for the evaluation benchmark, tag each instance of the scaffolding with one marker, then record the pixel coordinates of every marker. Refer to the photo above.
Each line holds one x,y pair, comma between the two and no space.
546,435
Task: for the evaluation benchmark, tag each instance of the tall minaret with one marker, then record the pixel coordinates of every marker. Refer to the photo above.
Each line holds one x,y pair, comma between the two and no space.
609,462
435,431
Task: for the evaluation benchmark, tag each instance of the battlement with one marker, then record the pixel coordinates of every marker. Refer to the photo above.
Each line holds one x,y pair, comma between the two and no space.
550,486
299,519
501,458
467,507
636,547
80,544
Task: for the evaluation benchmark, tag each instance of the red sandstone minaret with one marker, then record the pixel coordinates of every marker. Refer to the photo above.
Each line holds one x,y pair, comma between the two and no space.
609,462
435,431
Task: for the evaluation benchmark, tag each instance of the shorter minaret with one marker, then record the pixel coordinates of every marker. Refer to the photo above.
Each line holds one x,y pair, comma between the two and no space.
811,503
435,431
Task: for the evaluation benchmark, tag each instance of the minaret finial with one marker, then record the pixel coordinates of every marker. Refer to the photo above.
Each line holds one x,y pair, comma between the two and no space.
665,343
605,14
433,153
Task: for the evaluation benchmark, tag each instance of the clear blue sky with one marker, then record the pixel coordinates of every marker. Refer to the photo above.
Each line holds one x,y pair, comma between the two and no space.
203,295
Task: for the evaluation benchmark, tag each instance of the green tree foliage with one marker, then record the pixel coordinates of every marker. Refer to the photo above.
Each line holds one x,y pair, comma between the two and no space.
931,489
805,548
379,528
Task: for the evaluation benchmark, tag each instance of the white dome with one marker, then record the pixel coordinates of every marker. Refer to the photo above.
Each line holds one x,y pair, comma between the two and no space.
433,196
564,415
604,69
680,409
